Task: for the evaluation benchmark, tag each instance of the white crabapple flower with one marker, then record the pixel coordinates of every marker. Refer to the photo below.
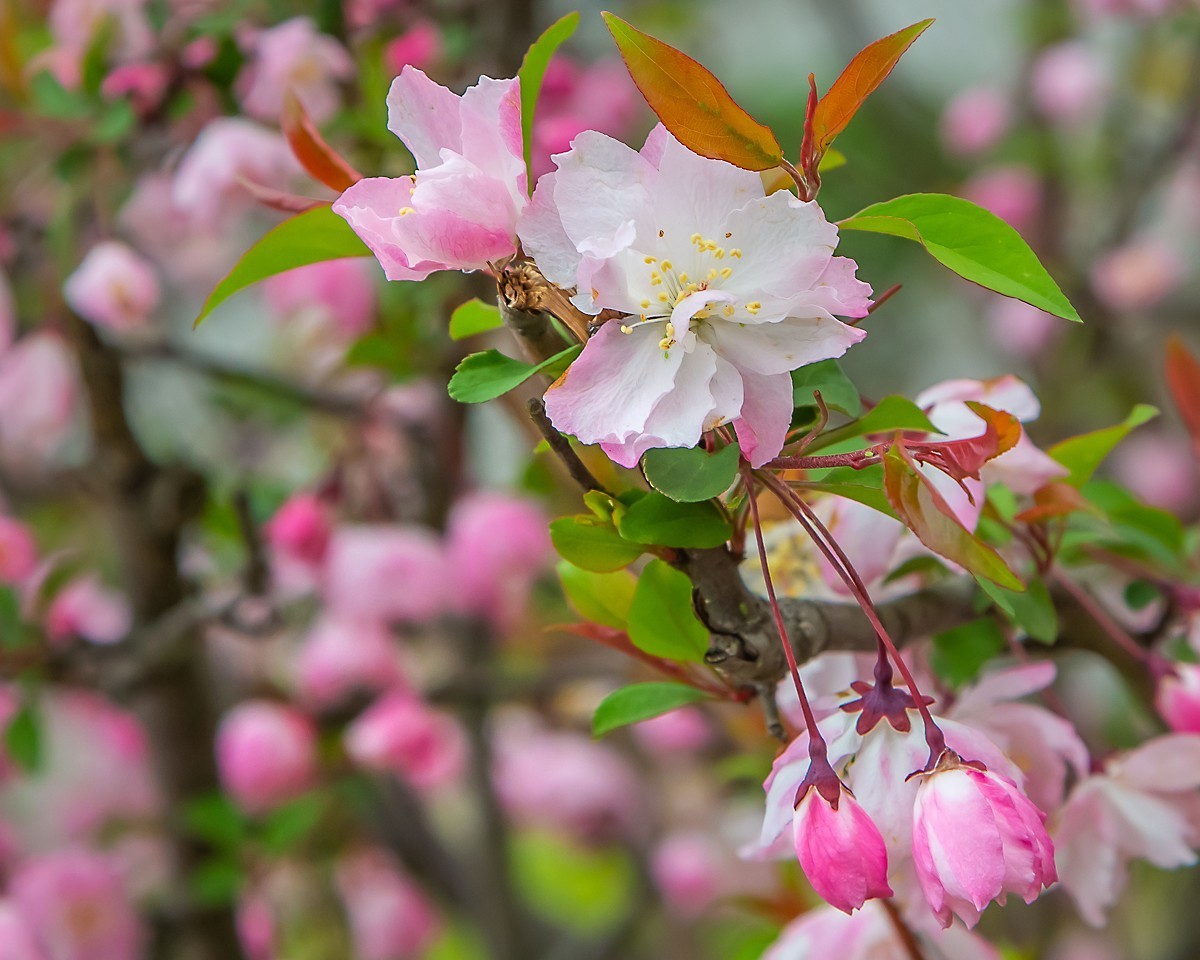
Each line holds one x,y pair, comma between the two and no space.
460,209
725,290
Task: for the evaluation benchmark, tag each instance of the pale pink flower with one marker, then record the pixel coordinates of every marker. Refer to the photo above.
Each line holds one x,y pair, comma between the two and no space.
689,871
1158,468
1068,83
392,573
676,731
266,754
1020,329
420,46
400,734
1178,698
77,907
1137,276
341,291
460,209
975,121
726,291
39,395
340,657
75,23
255,925
976,838
1138,808
208,181
840,850
296,56
390,918
143,83
16,936
86,608
1013,193
496,546
113,287
18,551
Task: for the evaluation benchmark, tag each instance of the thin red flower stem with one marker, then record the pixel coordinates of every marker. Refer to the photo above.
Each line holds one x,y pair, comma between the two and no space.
1102,617
845,569
858,459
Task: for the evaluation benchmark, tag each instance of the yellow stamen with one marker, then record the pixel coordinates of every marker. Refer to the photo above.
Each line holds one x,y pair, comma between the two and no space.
753,307
726,273
736,253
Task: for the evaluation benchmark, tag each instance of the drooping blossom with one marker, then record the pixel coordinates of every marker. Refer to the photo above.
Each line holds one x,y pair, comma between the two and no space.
840,850
77,907
688,871
296,56
341,292
496,546
341,656
977,838
383,572
1068,83
390,918
1012,192
266,754
420,46
459,210
1178,698
400,734
1137,276
87,609
39,399
975,121
16,936
1139,807
113,287
18,550
725,290
208,182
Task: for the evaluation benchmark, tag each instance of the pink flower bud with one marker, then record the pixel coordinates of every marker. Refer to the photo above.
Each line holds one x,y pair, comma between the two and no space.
975,121
143,83
1012,193
400,734
688,871
85,608
16,937
255,926
419,46
389,573
39,390
113,287
266,754
390,918
1178,698
1137,276
841,851
977,837
77,907
1068,83
18,552
342,656
300,530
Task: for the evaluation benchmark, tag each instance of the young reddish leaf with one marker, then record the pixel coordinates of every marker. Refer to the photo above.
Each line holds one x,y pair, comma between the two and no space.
316,156
1055,500
1183,380
963,458
927,515
862,75
692,103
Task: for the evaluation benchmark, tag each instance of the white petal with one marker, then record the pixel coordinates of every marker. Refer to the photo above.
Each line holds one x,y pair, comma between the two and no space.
783,346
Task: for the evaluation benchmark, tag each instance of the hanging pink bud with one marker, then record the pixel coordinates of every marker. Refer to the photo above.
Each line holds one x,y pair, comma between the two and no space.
400,734
266,754
300,529
977,837
419,46
840,849
390,918
1178,698
1068,83
975,121
113,287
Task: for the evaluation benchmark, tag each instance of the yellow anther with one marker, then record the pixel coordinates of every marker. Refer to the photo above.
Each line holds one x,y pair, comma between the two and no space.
753,307
655,280
736,253
666,265
696,238
726,273
650,259
626,329
669,329
405,211
663,298
719,253
664,343
713,274
729,309
645,304
683,278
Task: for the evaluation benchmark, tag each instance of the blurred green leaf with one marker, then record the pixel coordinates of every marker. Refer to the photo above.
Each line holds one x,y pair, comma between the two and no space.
292,823
689,476
531,74
662,621
490,374
600,597
474,317
959,654
23,740
971,241
586,890
217,820
836,389
1083,454
659,520
639,702
215,882
592,544
888,415
1031,609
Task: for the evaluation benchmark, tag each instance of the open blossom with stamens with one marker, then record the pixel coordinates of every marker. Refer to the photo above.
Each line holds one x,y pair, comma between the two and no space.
725,290
460,209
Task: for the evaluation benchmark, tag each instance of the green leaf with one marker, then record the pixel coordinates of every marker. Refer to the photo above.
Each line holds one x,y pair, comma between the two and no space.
959,654
836,389
474,317
310,237
641,701
659,520
1032,609
487,375
592,544
690,476
533,71
217,820
971,241
1140,594
603,598
586,889
290,824
662,620
23,737
863,493
1083,454
215,882
888,415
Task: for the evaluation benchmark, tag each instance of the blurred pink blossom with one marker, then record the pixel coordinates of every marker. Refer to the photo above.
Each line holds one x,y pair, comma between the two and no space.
255,926
577,97
1137,276
75,23
86,608
144,83
1142,8
1012,193
688,870
679,730
342,291
975,121
496,546
1020,329
294,55
77,907
298,536
16,936
199,53
1178,698
390,573
266,754
400,734
1068,83
1158,468
18,550
341,656
420,46
113,287
39,395
390,918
